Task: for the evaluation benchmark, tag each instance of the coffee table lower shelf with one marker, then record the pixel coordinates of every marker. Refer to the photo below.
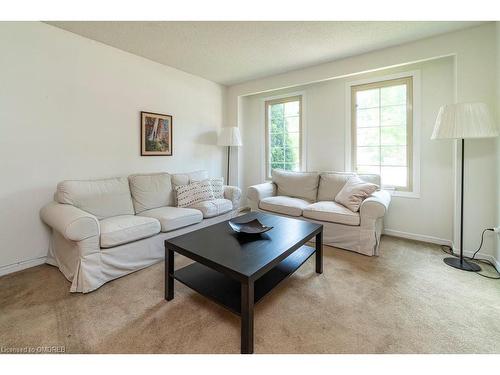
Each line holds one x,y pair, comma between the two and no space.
227,291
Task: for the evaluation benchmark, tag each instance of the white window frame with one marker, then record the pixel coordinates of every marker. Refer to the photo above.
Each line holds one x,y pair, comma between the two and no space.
303,135
416,125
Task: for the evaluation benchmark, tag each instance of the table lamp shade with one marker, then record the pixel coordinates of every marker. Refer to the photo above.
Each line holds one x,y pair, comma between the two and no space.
229,136
464,120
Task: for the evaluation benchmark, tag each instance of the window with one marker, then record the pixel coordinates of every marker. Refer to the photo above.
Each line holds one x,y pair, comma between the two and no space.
382,129
284,134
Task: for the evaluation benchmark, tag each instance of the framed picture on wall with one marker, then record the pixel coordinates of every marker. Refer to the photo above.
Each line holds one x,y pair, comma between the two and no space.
156,134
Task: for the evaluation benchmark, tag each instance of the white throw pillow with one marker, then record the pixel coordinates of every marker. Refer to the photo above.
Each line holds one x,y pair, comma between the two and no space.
196,192
354,192
217,187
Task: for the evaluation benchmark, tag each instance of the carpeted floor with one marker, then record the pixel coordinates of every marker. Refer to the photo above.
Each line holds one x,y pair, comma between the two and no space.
405,301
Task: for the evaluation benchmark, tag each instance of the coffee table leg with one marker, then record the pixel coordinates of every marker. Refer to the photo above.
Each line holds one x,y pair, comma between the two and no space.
169,274
247,304
319,252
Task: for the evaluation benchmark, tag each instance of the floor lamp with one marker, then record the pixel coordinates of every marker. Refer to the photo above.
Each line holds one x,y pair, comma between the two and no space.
229,136
461,121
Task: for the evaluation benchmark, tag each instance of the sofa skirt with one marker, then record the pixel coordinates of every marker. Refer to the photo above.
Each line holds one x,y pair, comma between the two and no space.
362,240
88,270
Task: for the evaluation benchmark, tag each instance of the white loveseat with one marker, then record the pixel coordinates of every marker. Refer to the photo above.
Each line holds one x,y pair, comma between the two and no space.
310,196
104,229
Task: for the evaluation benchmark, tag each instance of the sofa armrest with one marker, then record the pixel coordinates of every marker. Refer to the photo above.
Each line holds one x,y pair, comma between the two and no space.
258,192
71,222
233,193
376,205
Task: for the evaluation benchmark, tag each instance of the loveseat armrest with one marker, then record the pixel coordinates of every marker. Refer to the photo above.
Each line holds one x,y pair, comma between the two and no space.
258,192
376,205
233,193
71,222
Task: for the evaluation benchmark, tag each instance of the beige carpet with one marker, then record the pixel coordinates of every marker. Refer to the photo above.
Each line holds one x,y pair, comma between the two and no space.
405,301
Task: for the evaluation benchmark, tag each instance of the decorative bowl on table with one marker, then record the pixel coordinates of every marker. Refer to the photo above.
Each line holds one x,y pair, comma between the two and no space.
251,227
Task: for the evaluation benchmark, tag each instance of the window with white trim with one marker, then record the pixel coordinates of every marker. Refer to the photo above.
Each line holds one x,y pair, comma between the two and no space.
382,131
284,134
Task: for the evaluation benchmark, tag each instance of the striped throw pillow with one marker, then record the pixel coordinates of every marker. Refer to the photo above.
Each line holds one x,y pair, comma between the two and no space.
196,192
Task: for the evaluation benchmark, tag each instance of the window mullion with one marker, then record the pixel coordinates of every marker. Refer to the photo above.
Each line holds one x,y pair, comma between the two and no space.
283,138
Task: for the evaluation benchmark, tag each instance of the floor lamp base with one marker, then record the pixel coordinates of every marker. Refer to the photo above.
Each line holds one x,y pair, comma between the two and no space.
462,264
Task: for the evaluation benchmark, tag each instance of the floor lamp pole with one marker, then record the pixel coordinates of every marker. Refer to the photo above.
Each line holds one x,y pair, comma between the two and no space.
228,155
460,262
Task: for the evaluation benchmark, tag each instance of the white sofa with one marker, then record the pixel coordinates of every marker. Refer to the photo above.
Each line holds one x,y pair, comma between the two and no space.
310,196
104,229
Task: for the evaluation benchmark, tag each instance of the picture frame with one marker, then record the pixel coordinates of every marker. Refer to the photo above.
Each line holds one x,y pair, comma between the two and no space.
156,134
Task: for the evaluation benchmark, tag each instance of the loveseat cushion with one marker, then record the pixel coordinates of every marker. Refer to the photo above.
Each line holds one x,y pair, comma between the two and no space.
118,230
303,185
172,218
330,183
151,190
331,212
214,207
102,198
284,205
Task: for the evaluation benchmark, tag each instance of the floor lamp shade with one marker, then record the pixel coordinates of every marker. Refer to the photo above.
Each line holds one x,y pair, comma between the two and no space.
464,120
229,136
461,121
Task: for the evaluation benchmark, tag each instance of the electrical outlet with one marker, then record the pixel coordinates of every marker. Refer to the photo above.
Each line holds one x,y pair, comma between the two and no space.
496,230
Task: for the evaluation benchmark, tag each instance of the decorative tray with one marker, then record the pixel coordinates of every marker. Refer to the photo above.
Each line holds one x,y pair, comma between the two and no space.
251,227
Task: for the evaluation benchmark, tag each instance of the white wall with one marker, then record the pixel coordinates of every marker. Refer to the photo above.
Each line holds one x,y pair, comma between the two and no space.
325,127
475,80
69,108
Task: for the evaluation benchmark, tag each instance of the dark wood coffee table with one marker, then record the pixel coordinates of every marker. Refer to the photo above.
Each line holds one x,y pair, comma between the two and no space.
237,271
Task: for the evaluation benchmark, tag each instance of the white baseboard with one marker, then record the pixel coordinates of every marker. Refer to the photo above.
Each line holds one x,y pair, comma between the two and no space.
440,241
488,257
418,237
10,268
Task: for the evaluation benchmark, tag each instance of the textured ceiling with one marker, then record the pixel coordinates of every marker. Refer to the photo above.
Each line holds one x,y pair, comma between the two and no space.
234,52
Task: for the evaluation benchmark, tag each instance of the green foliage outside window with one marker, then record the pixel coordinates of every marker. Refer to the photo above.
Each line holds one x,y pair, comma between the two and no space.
284,146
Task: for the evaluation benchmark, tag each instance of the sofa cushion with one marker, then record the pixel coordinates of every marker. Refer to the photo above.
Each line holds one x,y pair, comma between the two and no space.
331,212
186,178
302,185
284,205
102,198
118,230
330,183
151,191
172,218
214,207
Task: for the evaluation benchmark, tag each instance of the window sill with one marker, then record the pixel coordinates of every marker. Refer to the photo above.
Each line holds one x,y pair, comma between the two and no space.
403,194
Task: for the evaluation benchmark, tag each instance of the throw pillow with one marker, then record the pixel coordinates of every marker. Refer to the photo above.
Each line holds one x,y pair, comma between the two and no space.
354,192
217,187
196,192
